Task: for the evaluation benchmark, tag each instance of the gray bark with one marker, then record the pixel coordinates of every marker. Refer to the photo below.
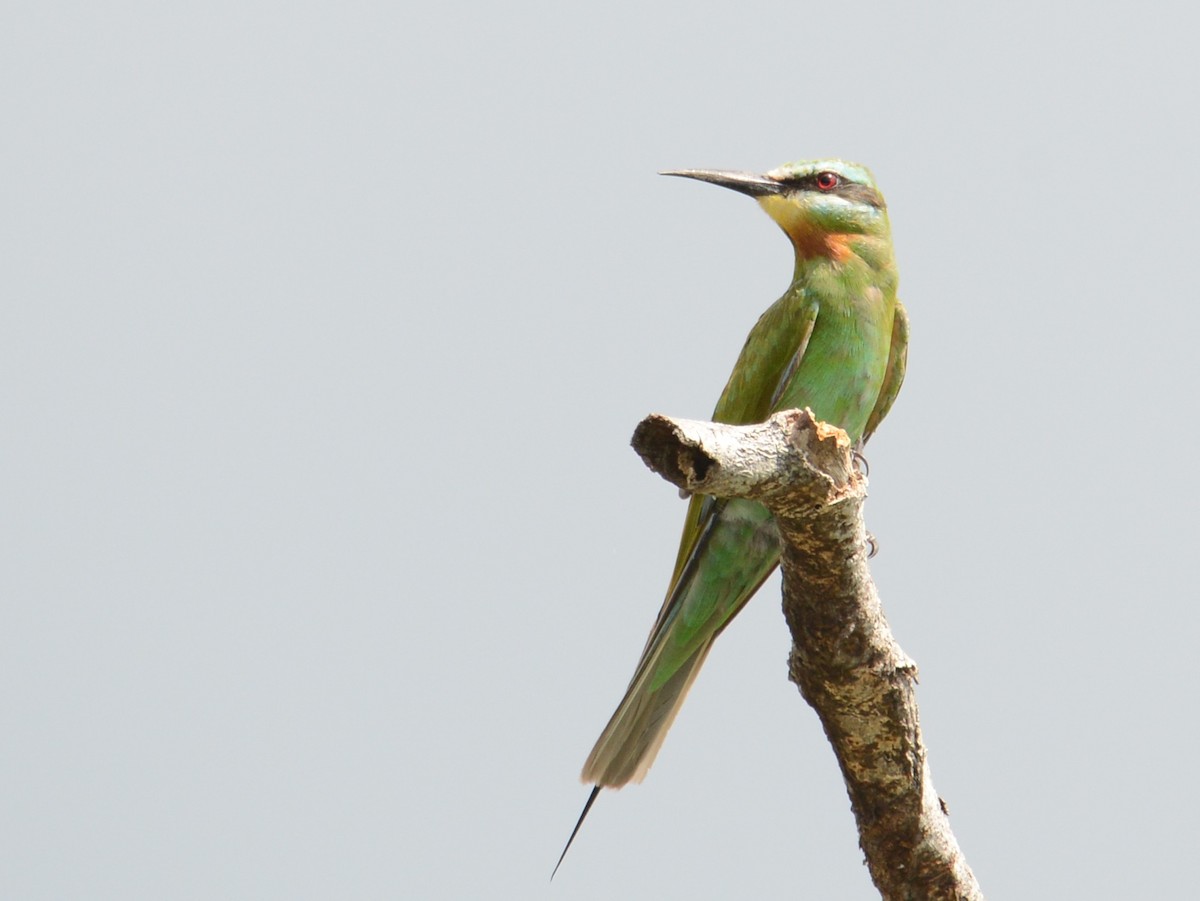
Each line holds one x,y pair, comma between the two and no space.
844,659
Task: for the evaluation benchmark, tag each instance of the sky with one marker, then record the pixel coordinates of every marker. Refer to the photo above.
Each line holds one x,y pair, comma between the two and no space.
324,331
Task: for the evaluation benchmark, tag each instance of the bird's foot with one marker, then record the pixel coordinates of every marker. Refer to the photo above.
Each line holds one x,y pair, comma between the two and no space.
861,466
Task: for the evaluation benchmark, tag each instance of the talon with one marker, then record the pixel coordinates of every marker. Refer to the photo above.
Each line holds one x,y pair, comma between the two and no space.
861,464
872,546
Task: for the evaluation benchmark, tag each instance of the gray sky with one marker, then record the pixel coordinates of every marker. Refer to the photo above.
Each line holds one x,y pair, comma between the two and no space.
324,331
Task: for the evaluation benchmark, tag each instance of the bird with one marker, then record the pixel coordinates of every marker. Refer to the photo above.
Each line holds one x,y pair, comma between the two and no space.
835,342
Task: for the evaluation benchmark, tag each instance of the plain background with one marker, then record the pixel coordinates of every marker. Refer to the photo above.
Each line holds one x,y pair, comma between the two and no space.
324,330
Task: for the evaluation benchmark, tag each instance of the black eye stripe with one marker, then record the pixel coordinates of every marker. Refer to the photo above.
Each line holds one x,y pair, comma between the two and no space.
851,190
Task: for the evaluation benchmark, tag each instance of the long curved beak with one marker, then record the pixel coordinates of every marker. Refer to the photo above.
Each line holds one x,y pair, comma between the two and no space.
743,182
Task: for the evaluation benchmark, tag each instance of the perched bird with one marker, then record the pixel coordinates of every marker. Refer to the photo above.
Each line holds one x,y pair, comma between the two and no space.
835,342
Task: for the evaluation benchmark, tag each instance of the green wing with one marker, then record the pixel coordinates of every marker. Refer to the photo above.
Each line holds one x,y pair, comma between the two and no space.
894,376
769,358
735,538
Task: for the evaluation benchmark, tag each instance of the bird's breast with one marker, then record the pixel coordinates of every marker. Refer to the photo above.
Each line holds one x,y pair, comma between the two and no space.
843,368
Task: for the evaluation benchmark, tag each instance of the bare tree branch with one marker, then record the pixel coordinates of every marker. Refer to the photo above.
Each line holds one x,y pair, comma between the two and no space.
844,659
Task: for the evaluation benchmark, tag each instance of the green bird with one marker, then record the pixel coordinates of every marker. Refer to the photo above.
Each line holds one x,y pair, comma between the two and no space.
836,342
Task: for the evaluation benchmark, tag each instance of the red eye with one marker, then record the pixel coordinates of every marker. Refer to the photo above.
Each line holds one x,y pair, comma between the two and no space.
827,181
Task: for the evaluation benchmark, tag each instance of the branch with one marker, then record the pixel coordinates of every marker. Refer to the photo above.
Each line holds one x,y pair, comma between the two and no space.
844,659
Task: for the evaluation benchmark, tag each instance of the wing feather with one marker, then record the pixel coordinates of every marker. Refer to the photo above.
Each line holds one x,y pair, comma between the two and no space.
680,639
893,376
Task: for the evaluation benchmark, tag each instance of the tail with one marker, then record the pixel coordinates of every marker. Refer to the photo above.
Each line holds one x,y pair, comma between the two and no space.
728,549
631,740
633,736
574,832
732,546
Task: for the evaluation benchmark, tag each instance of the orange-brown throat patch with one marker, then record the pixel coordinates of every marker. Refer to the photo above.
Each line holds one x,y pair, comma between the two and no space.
835,247
808,240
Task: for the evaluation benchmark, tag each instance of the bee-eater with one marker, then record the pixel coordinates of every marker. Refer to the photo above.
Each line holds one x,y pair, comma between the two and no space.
836,342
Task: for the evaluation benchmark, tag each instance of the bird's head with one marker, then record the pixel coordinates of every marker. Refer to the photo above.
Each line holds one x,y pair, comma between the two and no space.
820,204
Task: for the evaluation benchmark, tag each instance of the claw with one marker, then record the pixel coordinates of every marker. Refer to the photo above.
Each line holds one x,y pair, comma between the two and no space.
872,546
861,464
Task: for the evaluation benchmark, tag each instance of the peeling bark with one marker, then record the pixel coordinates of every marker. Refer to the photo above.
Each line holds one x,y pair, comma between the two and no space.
844,659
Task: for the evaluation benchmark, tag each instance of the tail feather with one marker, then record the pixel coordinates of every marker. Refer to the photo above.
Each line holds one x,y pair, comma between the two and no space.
574,832
736,547
631,740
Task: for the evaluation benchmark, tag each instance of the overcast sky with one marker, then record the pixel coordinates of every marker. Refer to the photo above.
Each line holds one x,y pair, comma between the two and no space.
324,330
